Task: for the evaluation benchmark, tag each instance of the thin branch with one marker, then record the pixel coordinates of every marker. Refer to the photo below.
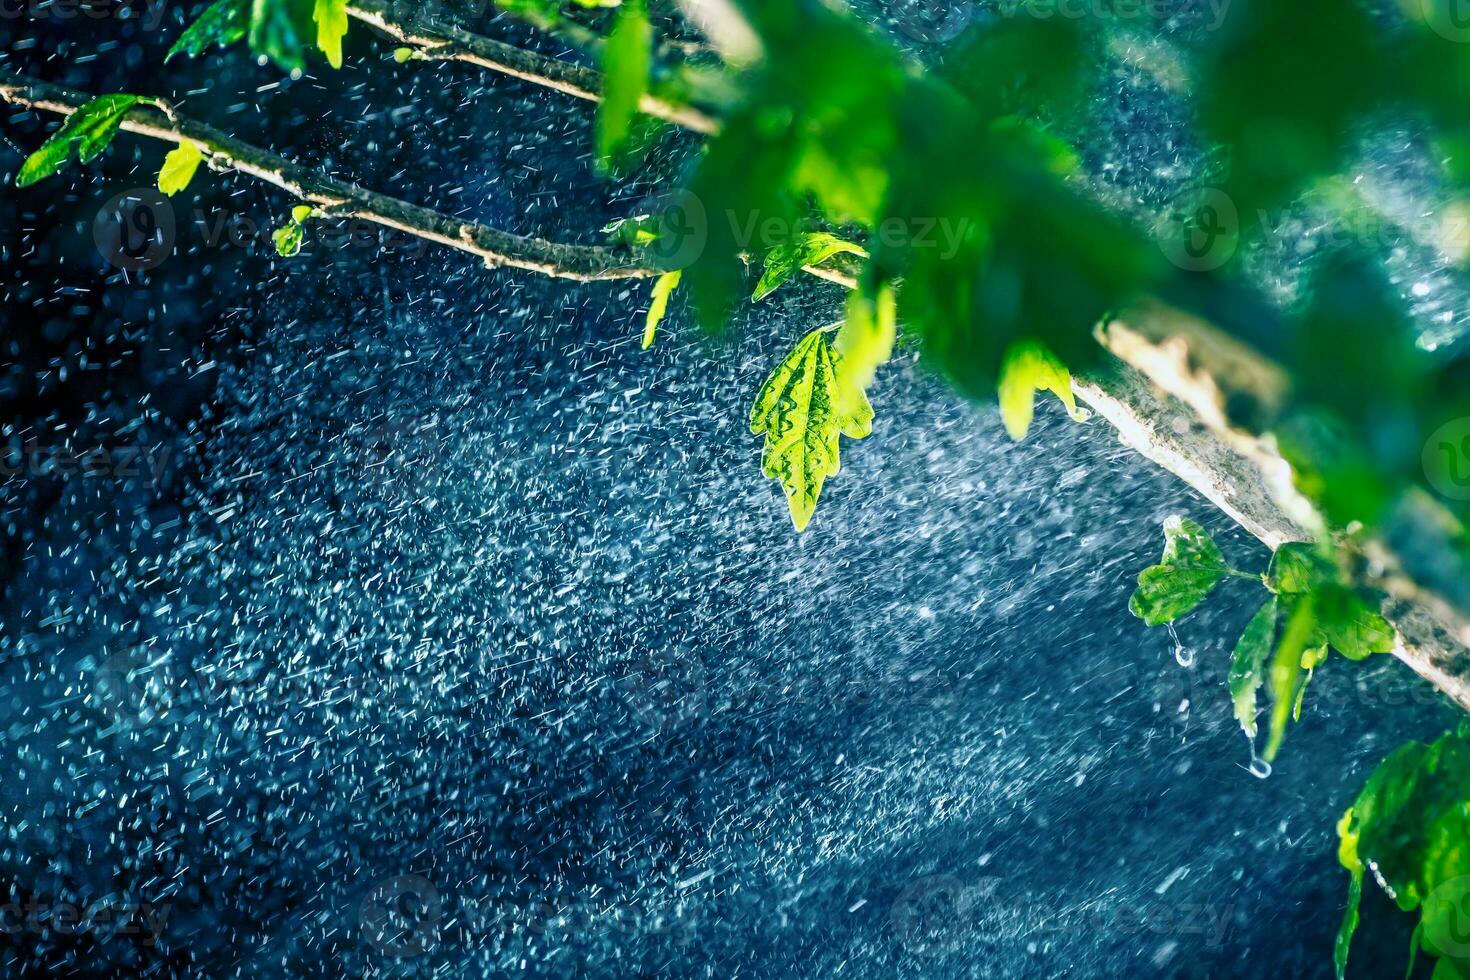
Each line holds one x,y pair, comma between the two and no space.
346,200
444,42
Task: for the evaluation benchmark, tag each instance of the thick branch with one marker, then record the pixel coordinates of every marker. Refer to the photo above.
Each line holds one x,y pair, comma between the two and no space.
444,42
342,199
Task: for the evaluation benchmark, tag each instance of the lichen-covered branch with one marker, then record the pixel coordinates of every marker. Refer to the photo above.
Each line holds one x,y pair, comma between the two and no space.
340,198
1166,394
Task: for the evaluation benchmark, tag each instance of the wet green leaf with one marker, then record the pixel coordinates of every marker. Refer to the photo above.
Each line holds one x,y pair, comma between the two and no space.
1298,567
788,258
1190,568
223,23
288,239
88,132
1248,664
1354,630
1411,825
283,31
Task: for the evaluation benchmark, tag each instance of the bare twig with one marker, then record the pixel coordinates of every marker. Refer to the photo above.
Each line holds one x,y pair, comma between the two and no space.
342,199
444,42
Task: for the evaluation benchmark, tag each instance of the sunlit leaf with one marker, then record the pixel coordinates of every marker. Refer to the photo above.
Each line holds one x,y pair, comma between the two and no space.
658,303
288,239
798,411
864,343
331,27
1029,367
788,258
179,167
1411,825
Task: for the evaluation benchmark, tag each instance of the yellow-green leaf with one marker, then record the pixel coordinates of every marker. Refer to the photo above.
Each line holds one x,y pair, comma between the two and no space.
626,61
864,342
1030,367
798,409
809,248
658,303
331,27
301,212
1286,668
288,239
179,167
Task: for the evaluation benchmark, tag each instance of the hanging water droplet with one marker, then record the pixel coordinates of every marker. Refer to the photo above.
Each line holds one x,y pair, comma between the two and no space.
1259,767
1183,655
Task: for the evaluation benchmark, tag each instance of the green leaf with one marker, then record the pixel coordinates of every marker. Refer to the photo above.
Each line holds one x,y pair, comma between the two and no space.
1354,630
224,23
798,410
1190,568
864,343
626,61
1312,658
658,303
402,55
1027,368
301,212
1286,668
788,258
283,31
331,28
1248,662
1411,825
1298,567
179,167
288,239
89,130
1349,923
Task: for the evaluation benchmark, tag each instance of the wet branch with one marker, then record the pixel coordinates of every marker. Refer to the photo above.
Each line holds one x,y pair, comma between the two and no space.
340,198
445,42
